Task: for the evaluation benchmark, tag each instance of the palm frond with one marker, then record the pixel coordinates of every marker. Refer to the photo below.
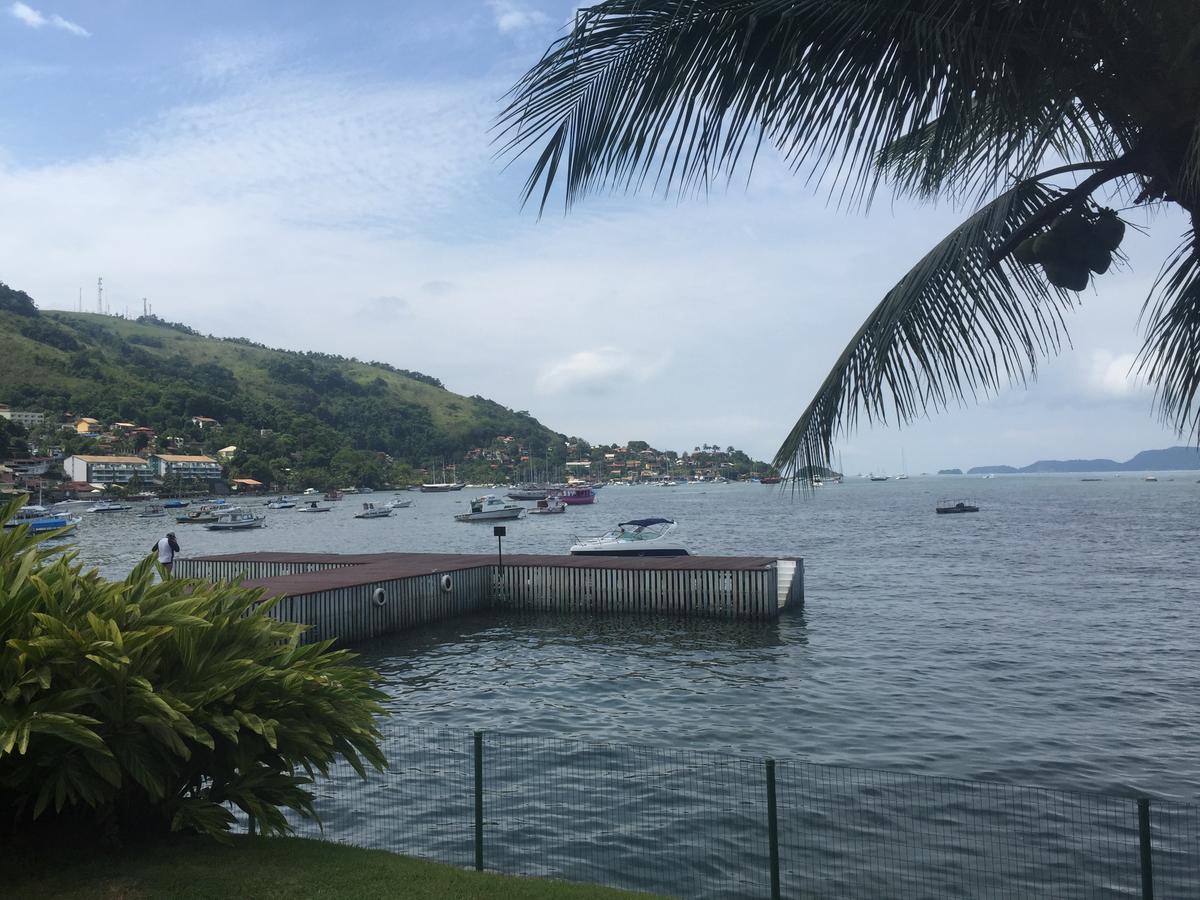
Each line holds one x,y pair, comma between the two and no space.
678,91
1170,356
953,327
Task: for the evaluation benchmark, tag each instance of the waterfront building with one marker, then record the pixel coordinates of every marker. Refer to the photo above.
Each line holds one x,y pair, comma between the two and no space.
107,469
204,468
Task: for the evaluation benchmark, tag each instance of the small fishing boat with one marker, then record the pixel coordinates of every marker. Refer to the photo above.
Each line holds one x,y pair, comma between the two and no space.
637,537
949,507
106,506
237,520
371,511
547,507
312,506
490,508
281,503
400,503
152,512
202,515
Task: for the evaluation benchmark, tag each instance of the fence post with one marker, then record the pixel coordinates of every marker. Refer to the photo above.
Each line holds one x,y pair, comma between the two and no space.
479,800
773,830
1144,833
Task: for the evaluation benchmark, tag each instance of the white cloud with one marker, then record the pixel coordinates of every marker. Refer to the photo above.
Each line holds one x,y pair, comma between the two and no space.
1113,375
512,17
602,371
35,19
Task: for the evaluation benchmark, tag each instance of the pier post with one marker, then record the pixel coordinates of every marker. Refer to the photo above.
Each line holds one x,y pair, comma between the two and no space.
479,800
773,830
1143,806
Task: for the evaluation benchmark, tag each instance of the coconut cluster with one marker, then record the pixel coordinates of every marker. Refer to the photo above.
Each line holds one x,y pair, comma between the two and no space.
1076,244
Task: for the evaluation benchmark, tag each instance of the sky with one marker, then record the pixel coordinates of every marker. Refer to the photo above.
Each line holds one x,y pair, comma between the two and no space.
320,176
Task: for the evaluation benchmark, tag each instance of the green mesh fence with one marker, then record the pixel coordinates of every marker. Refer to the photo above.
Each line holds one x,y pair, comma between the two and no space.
707,825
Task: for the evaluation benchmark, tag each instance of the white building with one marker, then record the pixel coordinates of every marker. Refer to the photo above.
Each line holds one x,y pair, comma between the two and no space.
204,468
23,418
107,469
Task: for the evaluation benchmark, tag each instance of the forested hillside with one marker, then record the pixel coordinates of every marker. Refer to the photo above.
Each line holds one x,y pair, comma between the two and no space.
286,411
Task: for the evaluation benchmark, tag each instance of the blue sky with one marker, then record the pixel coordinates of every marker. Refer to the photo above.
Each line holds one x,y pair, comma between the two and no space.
320,176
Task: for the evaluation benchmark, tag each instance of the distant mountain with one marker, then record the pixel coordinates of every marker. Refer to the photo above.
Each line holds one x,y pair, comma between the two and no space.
1169,459
951,471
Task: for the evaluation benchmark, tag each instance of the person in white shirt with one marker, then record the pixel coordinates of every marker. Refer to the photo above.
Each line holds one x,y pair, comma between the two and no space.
167,548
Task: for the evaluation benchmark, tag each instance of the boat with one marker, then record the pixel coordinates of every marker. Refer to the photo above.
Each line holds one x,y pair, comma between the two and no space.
105,506
1091,479
947,507
1150,478
578,496
400,503
875,477
334,495
637,537
281,503
175,504
152,512
366,490
528,492
39,520
237,520
547,507
311,506
308,492
443,487
770,479
371,511
490,508
201,516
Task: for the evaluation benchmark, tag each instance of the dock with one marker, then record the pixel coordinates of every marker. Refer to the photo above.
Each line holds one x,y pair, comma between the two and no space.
354,597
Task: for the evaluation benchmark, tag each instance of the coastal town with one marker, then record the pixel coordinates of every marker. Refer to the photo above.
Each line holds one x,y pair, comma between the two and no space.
71,456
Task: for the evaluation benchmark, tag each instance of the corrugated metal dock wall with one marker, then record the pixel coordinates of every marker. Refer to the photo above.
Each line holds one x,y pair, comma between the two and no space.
368,596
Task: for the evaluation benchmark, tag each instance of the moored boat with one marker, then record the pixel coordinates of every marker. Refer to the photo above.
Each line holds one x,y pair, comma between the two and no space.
40,520
371,511
312,506
547,507
237,520
282,503
949,507
637,537
443,487
152,512
490,508
400,503
106,506
578,496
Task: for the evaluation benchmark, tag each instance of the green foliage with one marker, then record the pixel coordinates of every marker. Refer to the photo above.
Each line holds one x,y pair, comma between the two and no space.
146,705
15,301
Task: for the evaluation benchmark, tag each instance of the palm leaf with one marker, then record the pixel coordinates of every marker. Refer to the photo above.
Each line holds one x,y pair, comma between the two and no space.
1170,356
677,91
952,327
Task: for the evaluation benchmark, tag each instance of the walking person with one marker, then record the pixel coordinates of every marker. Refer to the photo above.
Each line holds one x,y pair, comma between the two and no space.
167,548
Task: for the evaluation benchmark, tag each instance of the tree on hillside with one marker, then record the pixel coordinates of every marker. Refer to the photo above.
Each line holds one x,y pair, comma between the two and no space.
1034,112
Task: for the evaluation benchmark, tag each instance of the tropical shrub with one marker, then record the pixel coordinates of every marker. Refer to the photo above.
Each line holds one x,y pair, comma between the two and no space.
148,705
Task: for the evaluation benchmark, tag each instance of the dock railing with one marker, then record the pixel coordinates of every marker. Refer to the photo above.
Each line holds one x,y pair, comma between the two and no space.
689,823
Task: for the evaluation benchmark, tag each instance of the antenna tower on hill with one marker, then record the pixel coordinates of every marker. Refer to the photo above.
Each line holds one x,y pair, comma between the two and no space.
100,296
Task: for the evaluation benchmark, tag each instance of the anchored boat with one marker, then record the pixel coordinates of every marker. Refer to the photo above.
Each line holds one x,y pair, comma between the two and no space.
371,511
490,508
949,507
637,537
237,520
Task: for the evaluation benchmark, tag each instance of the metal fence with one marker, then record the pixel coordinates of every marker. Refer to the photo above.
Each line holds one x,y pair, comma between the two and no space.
699,824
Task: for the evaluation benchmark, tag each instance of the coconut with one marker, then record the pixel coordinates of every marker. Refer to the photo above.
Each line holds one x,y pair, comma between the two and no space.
1065,274
1098,258
1025,253
1109,230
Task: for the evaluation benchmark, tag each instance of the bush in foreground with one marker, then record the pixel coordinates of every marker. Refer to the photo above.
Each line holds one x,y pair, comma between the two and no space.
147,706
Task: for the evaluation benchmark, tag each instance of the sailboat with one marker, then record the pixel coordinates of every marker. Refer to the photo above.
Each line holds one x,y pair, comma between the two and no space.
903,476
440,487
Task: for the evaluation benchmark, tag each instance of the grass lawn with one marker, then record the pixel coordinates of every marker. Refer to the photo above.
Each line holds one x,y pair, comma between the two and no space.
260,868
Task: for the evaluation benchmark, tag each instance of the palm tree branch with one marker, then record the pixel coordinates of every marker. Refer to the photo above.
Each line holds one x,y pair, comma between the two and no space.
952,328
675,90
1170,355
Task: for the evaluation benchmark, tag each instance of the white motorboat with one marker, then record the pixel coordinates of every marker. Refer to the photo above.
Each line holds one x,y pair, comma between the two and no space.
105,506
490,508
282,503
547,507
371,511
152,512
237,520
637,537
400,503
313,506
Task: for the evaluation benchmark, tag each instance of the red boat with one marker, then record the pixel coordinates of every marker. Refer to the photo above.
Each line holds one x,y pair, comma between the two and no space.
578,496
770,479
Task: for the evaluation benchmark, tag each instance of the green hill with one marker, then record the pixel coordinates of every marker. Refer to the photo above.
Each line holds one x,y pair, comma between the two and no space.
295,417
